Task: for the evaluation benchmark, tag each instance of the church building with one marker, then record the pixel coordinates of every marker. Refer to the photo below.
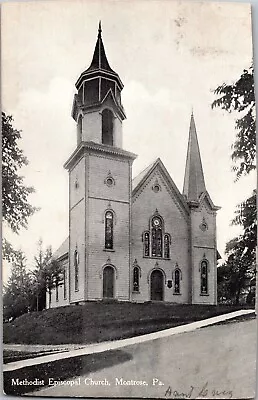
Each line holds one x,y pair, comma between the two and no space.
134,240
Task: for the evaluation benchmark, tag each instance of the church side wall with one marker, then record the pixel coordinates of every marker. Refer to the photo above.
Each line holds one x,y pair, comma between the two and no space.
176,224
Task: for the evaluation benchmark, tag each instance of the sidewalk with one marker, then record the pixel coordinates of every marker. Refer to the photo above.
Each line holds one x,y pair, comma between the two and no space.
116,344
39,348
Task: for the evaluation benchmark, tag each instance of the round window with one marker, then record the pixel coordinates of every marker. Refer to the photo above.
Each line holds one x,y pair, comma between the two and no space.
109,181
156,188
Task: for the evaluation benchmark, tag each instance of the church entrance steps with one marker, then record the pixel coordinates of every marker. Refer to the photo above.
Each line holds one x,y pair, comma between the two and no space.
117,344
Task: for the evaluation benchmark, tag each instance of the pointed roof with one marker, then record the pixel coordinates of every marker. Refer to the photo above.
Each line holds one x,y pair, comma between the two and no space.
99,64
99,60
194,184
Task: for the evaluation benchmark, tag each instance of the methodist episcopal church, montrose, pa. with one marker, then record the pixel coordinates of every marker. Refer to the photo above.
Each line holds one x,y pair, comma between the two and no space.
135,240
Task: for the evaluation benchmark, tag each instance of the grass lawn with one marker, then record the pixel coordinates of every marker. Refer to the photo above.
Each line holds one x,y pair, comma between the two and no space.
96,321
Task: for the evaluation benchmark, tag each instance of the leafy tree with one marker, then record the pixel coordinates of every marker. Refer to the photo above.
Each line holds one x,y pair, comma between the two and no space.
16,208
42,260
240,97
18,293
53,276
240,265
48,274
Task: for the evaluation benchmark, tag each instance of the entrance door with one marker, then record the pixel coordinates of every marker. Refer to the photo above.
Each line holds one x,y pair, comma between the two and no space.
108,282
157,285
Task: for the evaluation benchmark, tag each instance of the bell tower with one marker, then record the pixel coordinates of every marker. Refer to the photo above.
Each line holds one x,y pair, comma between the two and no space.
97,107
100,181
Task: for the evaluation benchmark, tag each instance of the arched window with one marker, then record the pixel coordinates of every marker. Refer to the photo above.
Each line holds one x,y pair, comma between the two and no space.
109,227
146,244
57,294
76,270
177,289
64,277
136,276
107,127
156,236
79,130
166,246
204,277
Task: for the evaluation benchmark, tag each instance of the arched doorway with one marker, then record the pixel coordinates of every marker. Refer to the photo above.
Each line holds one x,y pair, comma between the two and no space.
157,285
108,282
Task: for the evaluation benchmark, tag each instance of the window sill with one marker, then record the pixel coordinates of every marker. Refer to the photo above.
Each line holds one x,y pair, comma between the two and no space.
204,294
177,294
76,290
136,292
111,250
157,258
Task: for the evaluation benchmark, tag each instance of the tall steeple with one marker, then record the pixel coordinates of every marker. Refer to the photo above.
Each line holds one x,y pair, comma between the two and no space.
194,184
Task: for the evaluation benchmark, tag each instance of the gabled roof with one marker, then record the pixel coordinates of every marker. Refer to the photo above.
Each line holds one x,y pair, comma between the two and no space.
62,250
110,96
211,204
194,184
142,177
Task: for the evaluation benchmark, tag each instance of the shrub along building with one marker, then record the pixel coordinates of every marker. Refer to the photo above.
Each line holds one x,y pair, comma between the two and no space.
131,239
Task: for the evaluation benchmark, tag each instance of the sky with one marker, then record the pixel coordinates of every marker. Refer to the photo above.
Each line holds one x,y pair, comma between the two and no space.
170,55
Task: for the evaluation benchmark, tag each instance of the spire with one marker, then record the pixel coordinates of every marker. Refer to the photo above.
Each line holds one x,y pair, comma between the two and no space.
99,60
194,184
100,30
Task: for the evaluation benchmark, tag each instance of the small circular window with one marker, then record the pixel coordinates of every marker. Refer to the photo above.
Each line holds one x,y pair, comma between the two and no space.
156,188
109,181
204,226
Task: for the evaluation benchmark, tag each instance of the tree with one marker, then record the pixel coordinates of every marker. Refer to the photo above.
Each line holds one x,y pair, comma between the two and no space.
16,208
239,97
48,273
18,293
240,265
40,273
54,274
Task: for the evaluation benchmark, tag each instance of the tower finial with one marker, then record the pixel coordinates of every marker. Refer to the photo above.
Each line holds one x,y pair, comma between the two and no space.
100,30
192,112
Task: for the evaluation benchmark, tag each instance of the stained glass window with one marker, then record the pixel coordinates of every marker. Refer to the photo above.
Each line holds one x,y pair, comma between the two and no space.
177,282
156,236
204,277
76,270
166,246
109,222
136,274
146,244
